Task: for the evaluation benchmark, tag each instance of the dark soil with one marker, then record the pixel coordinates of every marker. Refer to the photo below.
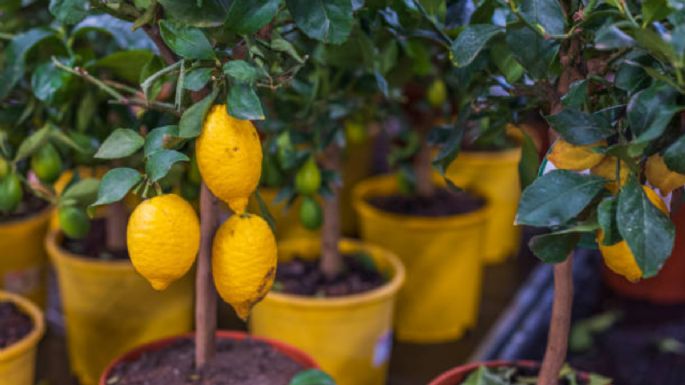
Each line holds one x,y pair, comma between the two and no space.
29,206
443,203
246,362
94,245
14,325
524,375
303,277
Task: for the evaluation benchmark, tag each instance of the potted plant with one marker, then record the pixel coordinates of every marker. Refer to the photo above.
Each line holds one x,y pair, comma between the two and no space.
22,328
599,184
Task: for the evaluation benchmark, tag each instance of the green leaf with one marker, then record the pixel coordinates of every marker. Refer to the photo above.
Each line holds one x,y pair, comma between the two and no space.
205,13
651,110
606,216
312,377
281,45
32,143
188,42
650,234
243,102
533,52
579,127
546,14
471,41
160,162
483,376
653,10
653,43
611,37
116,184
69,11
121,143
83,193
576,95
47,81
554,247
530,161
191,121
557,197
196,79
450,149
329,21
674,156
157,139
15,57
242,71
504,59
249,16
126,65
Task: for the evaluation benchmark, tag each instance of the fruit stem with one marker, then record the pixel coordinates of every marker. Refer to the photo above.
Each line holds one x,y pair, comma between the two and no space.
560,323
331,261
117,219
205,292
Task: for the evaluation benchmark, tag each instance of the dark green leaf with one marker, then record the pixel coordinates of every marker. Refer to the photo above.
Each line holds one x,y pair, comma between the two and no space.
15,57
311,377
651,110
557,197
242,72
188,42
579,127
654,44
119,30
121,143
530,161
243,102
190,124
649,233
157,139
611,37
554,247
249,16
282,45
47,81
160,162
83,193
450,149
32,143
205,13
606,216
126,65
116,184
471,41
546,14
576,95
69,11
654,10
327,20
196,79
674,156
505,61
533,52
264,210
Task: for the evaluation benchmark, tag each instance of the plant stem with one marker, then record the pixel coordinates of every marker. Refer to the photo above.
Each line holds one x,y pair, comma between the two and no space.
205,292
117,218
423,170
560,323
331,262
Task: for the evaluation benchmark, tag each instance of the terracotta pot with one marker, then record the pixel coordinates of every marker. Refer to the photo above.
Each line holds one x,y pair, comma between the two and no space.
457,375
295,354
668,287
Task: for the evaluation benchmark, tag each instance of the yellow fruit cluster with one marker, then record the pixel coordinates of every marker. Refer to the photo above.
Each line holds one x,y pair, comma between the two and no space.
163,232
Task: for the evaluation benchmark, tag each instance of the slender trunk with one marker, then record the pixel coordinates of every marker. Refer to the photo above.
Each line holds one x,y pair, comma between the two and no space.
331,261
117,219
205,292
423,170
560,323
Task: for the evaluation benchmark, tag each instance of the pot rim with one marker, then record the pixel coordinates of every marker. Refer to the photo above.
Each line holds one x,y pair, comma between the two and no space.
289,351
388,289
34,218
448,377
363,190
30,340
57,253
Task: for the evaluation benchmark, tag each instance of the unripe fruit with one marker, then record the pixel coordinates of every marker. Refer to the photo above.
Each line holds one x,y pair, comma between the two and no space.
308,178
73,221
311,216
46,164
11,193
437,93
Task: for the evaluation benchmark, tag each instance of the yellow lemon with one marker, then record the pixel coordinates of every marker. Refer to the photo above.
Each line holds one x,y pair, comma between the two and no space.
229,156
244,261
618,256
163,238
607,169
567,156
661,177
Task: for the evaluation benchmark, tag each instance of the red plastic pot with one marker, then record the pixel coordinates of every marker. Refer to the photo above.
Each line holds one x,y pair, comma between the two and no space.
293,353
457,375
668,287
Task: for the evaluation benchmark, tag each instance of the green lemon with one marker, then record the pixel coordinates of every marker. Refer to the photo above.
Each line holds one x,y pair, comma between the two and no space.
73,221
46,164
355,131
4,167
310,213
437,93
308,178
10,192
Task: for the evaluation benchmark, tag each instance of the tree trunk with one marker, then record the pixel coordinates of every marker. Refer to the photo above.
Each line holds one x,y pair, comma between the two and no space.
331,261
423,170
560,323
116,221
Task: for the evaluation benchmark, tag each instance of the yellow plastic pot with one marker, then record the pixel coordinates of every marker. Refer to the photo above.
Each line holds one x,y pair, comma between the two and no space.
495,175
18,361
286,218
23,264
443,258
110,309
351,336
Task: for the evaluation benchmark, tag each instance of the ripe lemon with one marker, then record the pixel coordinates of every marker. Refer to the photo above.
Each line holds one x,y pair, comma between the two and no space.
308,178
567,156
607,169
229,156
244,261
618,256
163,237
661,177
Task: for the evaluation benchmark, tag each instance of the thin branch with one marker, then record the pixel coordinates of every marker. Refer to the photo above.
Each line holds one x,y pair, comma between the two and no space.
81,72
157,106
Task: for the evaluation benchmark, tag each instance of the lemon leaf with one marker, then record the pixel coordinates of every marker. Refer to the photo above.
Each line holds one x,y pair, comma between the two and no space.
116,184
160,162
121,143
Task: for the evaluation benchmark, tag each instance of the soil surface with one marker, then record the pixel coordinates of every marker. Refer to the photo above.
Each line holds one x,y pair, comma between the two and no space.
443,203
245,362
14,325
94,245
303,277
29,206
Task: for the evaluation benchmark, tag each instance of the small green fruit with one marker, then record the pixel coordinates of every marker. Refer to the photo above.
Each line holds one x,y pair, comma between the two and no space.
11,192
73,221
308,178
311,215
4,167
437,93
46,164
355,131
